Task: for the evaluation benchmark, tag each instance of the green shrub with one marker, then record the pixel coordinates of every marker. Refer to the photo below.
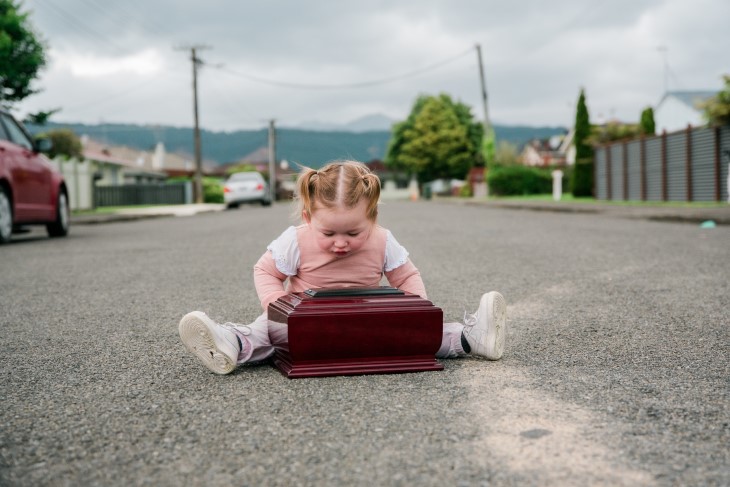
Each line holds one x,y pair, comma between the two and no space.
212,190
65,143
581,183
465,191
519,180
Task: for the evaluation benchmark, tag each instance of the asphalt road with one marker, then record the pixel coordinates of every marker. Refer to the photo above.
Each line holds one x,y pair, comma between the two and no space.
616,370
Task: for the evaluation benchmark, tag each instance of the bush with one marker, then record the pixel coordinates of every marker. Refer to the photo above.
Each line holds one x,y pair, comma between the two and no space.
65,143
581,183
465,191
212,190
519,180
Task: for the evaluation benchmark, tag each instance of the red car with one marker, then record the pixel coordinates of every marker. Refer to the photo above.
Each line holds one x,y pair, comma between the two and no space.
32,191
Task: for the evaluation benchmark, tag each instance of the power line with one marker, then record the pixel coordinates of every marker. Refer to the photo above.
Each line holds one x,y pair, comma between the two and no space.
112,96
362,84
131,15
79,25
572,22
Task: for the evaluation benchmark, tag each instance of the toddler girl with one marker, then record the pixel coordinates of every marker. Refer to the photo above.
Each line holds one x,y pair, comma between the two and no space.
339,244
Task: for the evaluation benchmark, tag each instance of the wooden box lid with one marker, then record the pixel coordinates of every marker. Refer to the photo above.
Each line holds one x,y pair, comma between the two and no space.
338,331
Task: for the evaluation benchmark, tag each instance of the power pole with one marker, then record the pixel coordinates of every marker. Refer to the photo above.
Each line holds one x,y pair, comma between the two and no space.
488,142
198,180
487,123
272,160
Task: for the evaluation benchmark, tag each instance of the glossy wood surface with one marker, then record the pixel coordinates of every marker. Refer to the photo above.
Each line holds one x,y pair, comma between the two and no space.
356,334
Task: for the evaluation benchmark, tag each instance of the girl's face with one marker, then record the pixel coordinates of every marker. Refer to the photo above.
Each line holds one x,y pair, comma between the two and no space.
340,230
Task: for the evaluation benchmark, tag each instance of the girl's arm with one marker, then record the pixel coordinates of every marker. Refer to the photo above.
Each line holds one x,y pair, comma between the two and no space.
269,281
407,278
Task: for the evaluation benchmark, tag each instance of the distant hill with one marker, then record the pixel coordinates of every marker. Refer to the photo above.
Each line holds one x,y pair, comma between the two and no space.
369,123
309,147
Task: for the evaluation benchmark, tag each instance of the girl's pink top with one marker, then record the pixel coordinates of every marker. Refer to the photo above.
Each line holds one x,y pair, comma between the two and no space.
306,266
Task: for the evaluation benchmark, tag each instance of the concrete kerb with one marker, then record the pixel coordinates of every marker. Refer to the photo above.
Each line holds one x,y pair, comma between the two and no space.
720,215
131,214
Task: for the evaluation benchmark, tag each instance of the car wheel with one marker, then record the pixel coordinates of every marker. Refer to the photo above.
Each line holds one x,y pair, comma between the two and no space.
59,228
265,202
232,206
6,217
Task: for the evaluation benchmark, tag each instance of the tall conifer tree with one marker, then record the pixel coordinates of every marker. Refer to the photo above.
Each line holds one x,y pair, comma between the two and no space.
583,149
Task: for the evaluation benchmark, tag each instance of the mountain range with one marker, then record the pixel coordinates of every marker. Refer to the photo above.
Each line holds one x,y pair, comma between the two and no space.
312,144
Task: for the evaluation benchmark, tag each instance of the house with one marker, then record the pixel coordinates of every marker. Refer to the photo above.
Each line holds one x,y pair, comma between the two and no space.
138,166
678,109
118,165
555,151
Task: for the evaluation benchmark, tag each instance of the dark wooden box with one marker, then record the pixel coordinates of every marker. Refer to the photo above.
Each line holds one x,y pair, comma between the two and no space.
352,331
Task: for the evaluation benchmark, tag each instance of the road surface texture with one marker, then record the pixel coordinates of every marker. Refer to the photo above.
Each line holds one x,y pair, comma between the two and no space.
616,371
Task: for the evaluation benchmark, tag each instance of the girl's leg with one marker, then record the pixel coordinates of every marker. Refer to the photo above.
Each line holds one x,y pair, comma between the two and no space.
451,341
256,344
483,333
221,347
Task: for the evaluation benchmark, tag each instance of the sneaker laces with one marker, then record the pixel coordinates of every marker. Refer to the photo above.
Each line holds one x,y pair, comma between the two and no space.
242,329
470,319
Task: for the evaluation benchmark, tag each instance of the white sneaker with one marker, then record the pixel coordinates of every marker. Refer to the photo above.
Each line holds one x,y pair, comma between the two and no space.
485,330
215,345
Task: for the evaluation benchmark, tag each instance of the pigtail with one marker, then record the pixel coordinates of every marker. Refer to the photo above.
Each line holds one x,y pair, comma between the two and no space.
371,182
306,189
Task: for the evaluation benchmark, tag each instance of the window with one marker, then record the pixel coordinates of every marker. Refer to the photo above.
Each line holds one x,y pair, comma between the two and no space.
15,133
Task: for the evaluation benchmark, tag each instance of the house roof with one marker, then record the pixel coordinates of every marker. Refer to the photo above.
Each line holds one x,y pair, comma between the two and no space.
135,158
260,155
692,99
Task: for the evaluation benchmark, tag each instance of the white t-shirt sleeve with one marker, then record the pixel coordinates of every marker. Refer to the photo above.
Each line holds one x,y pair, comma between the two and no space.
285,251
395,254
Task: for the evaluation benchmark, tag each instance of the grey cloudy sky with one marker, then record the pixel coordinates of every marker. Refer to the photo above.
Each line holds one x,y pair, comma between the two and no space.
117,62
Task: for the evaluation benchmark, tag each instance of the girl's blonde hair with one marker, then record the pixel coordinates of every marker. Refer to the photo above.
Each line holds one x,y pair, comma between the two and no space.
339,183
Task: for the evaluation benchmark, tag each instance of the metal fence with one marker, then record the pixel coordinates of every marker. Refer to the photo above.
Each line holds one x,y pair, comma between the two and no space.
689,165
142,194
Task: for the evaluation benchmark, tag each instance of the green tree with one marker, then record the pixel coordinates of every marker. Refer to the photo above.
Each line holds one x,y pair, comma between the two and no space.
439,139
40,118
506,154
646,124
581,178
583,148
717,108
65,143
22,54
612,131
488,150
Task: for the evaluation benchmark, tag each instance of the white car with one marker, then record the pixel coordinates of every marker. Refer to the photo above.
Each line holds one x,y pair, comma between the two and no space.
246,187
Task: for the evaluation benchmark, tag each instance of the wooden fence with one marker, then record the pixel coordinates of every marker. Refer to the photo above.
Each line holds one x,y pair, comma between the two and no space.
689,165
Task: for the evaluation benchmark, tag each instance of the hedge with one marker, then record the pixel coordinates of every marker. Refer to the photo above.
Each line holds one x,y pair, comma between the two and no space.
519,180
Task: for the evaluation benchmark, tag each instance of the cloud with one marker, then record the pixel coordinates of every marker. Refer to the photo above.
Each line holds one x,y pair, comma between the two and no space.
145,63
537,56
